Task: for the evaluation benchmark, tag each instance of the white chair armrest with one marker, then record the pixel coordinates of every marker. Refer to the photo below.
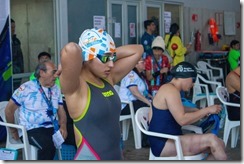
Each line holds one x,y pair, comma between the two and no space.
205,87
125,102
218,69
193,128
175,138
12,125
210,82
232,104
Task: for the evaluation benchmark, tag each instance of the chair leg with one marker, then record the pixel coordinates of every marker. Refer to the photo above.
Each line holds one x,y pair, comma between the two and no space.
59,154
137,135
125,129
234,136
151,156
33,153
226,132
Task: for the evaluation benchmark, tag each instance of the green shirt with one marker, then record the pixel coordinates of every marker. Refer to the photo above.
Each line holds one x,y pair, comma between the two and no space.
233,58
57,82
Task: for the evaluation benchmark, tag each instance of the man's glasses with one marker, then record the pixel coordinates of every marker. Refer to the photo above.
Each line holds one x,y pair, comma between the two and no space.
105,59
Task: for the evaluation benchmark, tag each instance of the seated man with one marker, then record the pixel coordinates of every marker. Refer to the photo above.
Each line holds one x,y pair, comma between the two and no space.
70,140
39,103
233,85
168,116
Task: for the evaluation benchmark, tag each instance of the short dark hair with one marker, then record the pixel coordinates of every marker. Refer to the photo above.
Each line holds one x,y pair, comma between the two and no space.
12,21
44,54
234,42
147,23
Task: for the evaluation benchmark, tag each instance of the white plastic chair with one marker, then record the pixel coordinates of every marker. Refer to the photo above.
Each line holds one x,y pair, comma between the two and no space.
126,120
201,91
29,151
209,70
233,126
141,119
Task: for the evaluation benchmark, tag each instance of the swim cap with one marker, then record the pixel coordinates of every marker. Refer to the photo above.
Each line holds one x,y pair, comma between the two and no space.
184,70
95,41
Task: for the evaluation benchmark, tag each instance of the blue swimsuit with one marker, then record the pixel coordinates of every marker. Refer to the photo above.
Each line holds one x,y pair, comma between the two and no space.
162,122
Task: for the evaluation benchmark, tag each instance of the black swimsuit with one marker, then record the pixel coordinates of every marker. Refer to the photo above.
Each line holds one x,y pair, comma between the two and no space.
234,112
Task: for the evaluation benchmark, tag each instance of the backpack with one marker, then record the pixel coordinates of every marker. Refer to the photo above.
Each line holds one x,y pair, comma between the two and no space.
210,122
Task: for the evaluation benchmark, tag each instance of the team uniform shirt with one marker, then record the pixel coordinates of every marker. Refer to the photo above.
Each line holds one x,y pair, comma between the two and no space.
146,41
178,55
33,108
233,58
152,66
132,79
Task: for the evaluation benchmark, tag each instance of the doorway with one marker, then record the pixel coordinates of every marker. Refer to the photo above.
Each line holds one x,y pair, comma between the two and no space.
35,28
123,22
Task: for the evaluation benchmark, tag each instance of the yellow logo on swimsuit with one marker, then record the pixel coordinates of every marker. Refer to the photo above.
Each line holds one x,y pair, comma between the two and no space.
108,93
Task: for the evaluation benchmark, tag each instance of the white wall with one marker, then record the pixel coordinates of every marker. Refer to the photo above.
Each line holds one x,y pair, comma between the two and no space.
226,5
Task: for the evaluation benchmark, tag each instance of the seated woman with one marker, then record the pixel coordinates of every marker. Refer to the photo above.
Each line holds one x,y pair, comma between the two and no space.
133,87
168,116
233,85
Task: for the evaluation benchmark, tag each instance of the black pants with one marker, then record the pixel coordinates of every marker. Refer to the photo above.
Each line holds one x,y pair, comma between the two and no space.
136,104
42,139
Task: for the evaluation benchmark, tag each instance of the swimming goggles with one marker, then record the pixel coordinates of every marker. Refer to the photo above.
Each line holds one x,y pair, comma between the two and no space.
105,58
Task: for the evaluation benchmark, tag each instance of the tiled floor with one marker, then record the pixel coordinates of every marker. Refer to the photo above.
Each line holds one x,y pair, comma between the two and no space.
132,154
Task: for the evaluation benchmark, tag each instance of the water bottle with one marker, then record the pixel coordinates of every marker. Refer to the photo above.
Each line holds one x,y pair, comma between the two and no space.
222,115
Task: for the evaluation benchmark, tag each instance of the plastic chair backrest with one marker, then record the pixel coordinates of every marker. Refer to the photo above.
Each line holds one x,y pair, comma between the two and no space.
209,70
125,119
198,86
203,66
223,96
141,118
29,151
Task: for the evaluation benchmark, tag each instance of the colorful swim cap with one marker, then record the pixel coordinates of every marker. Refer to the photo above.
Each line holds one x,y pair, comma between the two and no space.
184,70
95,41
